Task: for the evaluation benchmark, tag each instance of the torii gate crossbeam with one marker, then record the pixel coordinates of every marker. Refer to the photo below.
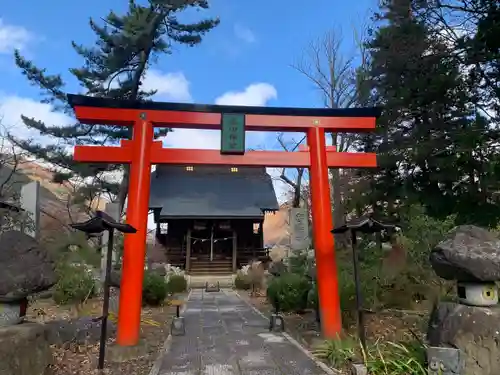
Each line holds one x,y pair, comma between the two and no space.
142,151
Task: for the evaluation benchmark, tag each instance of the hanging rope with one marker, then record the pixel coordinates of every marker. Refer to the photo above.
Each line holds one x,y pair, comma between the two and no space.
208,239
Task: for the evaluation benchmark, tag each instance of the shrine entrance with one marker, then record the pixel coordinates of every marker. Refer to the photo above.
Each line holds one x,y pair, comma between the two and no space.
211,243
142,151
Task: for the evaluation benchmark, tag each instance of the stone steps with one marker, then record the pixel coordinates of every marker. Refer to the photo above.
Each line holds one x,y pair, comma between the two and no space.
199,281
221,267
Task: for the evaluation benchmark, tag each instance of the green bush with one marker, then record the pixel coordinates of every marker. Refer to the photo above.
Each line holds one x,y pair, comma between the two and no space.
154,289
289,292
422,232
241,282
75,284
177,284
300,263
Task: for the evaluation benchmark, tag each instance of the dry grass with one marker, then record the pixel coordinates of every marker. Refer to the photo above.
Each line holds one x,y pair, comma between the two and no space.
82,359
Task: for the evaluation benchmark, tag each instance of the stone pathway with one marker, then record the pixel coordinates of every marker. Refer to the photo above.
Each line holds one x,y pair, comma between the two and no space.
225,336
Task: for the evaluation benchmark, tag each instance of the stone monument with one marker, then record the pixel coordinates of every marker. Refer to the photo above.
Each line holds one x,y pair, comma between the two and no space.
470,256
30,203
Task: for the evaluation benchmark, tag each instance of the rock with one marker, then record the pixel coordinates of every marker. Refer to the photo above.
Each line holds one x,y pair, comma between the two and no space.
80,331
46,294
24,350
119,354
27,268
468,253
473,330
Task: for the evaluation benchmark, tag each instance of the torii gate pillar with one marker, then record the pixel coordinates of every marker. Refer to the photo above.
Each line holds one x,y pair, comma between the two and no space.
321,207
134,249
141,152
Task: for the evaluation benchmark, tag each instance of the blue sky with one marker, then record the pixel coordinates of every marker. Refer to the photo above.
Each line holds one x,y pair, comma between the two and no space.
246,60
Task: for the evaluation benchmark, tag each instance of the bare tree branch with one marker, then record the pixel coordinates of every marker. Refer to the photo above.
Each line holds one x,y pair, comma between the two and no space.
334,74
296,183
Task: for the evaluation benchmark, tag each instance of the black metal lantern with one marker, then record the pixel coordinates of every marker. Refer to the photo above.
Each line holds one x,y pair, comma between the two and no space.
102,222
367,225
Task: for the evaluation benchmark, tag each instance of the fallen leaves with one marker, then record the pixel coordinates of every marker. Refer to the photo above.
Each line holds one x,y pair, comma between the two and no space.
74,359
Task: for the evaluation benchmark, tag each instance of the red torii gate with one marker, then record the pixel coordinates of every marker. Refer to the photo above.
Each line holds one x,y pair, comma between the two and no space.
142,151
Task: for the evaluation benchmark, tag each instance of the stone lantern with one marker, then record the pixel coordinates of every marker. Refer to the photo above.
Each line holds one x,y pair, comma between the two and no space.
477,293
469,326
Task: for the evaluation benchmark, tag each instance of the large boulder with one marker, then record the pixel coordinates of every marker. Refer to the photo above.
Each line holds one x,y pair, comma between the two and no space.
473,330
468,253
26,267
24,350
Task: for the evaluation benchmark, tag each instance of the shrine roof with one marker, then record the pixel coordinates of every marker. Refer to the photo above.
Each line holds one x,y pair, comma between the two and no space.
89,101
211,192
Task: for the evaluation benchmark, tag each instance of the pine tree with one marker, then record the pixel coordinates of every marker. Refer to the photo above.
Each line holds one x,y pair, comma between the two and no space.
126,46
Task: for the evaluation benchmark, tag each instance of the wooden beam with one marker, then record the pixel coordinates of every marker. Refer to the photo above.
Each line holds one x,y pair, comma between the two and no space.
204,120
159,155
188,251
235,251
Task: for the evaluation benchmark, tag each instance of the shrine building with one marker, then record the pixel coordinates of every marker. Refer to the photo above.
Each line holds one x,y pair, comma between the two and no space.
209,219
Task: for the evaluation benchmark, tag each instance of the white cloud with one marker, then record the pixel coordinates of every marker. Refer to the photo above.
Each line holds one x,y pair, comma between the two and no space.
193,138
256,94
173,86
244,33
12,107
169,86
12,37
281,188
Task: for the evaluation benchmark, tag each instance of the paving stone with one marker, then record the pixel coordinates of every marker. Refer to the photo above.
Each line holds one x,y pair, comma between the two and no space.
225,336
269,371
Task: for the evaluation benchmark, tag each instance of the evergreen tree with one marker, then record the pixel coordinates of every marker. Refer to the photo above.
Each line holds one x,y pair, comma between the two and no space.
126,46
472,27
433,146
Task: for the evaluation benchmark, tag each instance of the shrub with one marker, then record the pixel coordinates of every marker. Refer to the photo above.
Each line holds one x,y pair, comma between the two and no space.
154,289
289,292
177,284
241,282
302,262
75,284
422,232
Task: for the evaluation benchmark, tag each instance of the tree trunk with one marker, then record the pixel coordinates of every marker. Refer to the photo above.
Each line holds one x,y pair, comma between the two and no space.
145,54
